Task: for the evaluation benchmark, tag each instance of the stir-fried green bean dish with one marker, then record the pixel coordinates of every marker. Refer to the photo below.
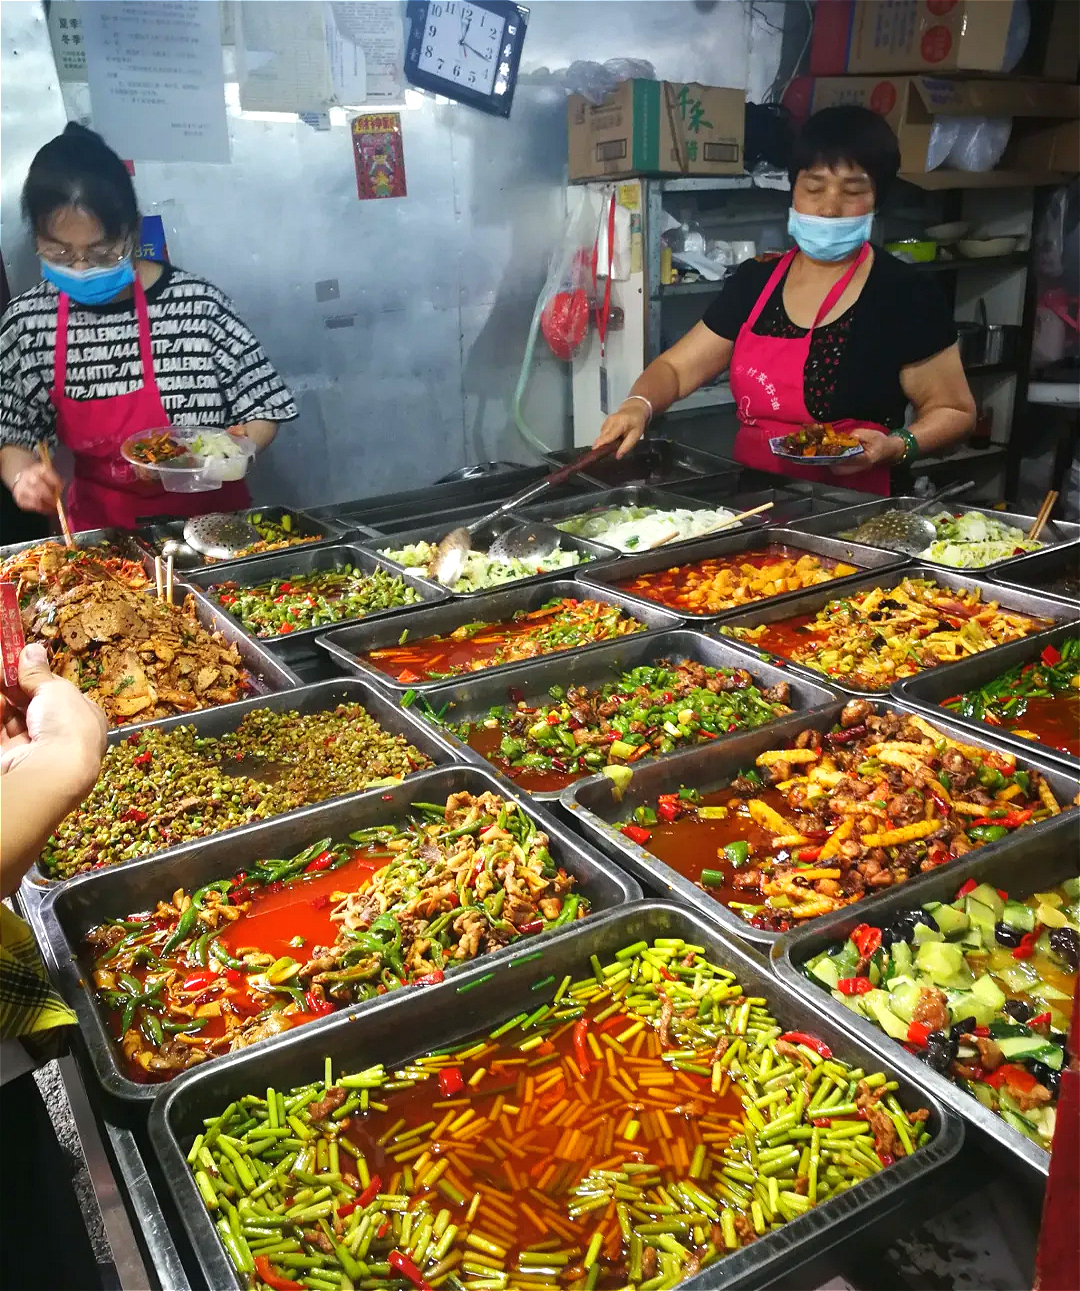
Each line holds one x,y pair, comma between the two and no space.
283,605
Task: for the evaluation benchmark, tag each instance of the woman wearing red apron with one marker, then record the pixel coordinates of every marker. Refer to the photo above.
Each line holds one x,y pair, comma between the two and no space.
833,331
95,354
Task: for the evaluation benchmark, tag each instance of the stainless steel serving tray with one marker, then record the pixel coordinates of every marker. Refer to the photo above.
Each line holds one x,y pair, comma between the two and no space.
70,910
614,574
1042,864
809,602
347,645
654,461
1024,573
600,814
483,538
392,1034
926,690
290,564
1055,533
155,533
315,698
470,698
122,539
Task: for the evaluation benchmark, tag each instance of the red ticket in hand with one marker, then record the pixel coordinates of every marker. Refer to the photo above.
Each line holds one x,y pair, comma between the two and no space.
12,637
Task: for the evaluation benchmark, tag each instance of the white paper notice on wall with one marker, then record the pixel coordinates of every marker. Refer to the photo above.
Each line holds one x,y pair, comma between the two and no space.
348,68
376,26
67,33
281,56
157,90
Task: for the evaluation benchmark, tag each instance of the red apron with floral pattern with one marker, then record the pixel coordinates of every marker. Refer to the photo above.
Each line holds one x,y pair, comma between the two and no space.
767,381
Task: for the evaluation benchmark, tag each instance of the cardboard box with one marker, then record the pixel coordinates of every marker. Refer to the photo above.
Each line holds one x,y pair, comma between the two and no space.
657,128
937,36
1042,114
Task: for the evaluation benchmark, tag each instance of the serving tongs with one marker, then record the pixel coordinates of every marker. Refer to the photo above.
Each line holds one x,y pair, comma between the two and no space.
526,540
906,531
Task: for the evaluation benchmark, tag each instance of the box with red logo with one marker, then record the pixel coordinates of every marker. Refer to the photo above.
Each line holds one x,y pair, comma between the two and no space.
1043,113
938,36
12,638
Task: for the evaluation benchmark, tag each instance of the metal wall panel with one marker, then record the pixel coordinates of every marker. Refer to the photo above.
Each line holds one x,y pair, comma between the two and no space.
409,371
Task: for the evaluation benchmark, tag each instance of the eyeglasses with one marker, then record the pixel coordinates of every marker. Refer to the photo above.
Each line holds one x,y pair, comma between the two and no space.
68,258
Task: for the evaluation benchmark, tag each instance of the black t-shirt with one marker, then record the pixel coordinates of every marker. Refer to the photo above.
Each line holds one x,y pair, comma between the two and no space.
853,369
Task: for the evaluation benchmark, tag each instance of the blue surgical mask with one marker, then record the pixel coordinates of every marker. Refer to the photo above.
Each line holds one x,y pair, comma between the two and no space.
829,237
90,286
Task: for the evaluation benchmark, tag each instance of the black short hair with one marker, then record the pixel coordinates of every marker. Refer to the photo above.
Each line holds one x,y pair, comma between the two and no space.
848,134
78,168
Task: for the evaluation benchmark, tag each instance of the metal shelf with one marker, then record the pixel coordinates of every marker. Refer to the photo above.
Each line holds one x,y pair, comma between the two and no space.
962,454
1014,260
691,288
706,183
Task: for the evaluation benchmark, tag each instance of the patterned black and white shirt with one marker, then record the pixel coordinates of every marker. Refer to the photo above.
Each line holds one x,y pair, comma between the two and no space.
210,369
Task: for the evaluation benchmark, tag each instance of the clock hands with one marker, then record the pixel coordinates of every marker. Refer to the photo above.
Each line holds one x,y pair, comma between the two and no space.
486,57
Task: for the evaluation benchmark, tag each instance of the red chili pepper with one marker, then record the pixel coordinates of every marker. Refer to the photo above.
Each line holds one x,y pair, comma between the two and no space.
918,1033
1050,656
668,811
319,902
346,1209
808,854
811,1042
553,719
636,833
1010,820
845,737
321,862
407,676
1040,1019
135,814
403,1265
319,1007
534,925
822,1122
370,1192
866,939
134,738
288,627
143,759
450,1081
430,979
581,1053
199,981
234,976
474,873
886,1158
708,735
666,975
1027,943
272,1279
854,985
969,886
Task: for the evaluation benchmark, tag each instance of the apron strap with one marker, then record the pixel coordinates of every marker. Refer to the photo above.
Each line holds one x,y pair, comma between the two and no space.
840,287
777,274
146,352
61,345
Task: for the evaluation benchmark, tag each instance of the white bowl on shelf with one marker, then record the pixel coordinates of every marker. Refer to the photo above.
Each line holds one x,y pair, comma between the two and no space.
980,248
946,234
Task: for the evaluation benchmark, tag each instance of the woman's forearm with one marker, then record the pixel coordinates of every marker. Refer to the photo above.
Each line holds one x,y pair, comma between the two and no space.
261,433
34,797
941,429
14,459
659,383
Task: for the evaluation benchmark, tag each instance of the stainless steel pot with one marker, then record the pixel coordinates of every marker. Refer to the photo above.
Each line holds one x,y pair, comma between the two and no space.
984,344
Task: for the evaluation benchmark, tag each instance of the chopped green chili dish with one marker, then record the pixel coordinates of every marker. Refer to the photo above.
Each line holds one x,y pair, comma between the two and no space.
284,605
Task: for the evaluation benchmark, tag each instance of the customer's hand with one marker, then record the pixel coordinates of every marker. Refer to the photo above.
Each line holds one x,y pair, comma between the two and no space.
628,423
36,488
878,450
48,718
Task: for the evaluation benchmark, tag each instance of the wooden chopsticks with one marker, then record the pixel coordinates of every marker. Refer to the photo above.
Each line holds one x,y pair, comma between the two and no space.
163,578
1043,515
46,457
727,524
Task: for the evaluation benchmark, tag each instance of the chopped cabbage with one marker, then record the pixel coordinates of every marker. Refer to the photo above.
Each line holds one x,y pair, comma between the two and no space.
640,528
482,570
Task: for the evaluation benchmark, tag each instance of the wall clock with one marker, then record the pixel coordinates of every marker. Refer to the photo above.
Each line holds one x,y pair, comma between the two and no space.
468,52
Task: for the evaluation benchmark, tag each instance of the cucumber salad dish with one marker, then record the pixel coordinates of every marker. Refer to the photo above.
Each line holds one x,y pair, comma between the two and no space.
642,528
981,990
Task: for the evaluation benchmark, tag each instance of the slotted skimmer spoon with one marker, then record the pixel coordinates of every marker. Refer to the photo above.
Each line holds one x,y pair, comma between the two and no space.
906,531
533,541
220,534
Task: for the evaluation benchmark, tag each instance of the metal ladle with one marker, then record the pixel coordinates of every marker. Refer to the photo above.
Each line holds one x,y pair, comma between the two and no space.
448,563
906,531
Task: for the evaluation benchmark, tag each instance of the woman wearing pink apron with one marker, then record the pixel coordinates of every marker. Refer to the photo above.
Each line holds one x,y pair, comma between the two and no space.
833,331
95,354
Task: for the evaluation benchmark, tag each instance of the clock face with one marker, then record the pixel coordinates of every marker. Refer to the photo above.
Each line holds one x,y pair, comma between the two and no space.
461,43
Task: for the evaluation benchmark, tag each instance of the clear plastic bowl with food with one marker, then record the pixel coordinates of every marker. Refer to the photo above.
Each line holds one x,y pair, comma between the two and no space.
188,459
225,455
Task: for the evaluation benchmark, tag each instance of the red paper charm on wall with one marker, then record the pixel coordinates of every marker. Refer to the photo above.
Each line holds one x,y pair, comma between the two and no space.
380,159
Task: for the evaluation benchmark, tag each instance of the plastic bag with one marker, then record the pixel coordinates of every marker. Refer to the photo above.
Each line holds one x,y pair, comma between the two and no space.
595,81
980,142
566,298
943,134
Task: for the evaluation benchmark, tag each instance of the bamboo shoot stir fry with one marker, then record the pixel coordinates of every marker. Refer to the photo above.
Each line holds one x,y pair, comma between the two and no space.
841,815
650,710
981,989
283,605
630,1131
874,637
159,788
136,656
244,958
